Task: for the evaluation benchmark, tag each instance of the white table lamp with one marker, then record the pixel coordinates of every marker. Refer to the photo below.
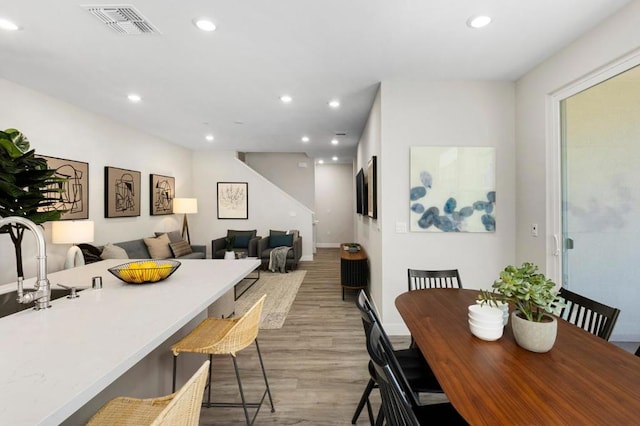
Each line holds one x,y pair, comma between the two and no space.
72,232
186,206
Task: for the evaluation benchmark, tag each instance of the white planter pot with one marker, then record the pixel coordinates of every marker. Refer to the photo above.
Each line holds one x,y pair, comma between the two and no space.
534,336
229,254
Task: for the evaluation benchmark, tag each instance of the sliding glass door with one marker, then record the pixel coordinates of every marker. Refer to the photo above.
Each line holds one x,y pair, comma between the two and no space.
600,168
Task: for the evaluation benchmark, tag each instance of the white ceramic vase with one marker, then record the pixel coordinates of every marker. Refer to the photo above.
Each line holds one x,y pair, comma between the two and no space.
229,254
534,336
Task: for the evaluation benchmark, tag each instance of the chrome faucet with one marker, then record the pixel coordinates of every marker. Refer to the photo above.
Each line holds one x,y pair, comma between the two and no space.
42,294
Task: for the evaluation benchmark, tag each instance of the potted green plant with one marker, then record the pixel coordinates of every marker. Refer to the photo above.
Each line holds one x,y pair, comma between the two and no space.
28,188
229,241
534,297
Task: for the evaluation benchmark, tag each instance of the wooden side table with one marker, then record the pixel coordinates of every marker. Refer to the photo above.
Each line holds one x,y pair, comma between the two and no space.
354,268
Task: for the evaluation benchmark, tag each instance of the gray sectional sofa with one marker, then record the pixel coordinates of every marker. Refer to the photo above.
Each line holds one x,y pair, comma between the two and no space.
136,249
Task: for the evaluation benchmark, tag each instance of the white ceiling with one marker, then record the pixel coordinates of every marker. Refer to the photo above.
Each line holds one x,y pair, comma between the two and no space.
228,82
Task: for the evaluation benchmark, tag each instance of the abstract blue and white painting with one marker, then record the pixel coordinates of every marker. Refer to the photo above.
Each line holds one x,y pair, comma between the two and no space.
452,189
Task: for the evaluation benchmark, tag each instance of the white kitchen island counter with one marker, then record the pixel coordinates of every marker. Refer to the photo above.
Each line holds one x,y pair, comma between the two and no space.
54,361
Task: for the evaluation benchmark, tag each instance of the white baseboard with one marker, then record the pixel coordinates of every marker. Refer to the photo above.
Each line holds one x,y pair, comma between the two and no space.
306,258
396,329
328,245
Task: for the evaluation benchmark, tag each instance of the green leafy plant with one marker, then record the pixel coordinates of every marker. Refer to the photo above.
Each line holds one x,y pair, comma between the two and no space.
230,242
530,292
28,188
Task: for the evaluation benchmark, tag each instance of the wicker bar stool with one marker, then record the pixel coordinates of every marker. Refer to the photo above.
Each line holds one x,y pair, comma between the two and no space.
180,408
215,336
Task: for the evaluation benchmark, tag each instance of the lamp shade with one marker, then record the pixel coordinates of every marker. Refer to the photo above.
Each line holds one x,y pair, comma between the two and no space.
72,232
185,205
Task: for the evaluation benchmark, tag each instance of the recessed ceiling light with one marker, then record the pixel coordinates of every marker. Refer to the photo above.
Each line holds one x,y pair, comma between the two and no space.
320,161
134,97
334,103
479,21
286,98
334,158
209,138
305,139
204,24
334,141
8,25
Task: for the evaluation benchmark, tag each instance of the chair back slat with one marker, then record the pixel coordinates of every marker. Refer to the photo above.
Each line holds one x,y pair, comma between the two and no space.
594,317
421,279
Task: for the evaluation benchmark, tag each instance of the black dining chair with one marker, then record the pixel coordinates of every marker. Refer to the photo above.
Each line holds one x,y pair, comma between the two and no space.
420,279
410,361
399,405
592,316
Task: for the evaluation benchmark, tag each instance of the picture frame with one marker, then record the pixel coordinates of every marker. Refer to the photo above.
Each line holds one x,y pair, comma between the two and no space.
121,192
452,189
372,188
75,195
162,191
361,193
233,200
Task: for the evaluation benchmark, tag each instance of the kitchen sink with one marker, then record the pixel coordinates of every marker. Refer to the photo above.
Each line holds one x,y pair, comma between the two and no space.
9,301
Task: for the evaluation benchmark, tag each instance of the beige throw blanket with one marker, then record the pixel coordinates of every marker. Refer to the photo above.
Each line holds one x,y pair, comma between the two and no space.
278,259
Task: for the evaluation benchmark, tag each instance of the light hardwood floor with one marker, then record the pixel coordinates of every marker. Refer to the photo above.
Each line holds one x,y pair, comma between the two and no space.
316,363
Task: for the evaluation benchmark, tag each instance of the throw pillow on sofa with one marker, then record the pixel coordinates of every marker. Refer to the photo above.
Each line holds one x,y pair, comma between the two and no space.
90,253
159,247
174,236
111,251
280,241
241,241
180,248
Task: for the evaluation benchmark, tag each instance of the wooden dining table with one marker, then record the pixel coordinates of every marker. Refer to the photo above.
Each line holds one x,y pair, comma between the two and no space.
582,380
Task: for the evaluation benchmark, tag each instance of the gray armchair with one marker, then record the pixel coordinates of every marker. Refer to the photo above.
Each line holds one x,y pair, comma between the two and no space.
266,244
245,242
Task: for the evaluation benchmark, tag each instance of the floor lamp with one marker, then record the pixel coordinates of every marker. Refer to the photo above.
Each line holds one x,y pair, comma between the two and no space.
186,206
72,232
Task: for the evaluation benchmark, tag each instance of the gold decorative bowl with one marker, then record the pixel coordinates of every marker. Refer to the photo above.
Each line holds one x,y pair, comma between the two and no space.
145,271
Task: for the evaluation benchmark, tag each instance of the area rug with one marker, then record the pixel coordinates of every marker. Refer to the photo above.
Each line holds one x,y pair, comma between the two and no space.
281,290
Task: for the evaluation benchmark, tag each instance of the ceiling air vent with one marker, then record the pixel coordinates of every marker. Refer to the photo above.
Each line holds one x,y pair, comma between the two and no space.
123,19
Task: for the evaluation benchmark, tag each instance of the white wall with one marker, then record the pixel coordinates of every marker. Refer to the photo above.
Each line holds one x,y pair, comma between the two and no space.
292,172
62,130
269,206
442,113
367,229
335,204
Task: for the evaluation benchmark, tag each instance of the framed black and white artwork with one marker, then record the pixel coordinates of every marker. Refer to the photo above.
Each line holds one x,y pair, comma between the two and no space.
75,196
121,192
233,202
162,190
